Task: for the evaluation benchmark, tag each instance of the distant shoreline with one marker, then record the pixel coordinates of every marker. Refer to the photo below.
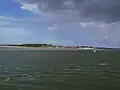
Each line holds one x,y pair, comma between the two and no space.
50,47
7,48
32,48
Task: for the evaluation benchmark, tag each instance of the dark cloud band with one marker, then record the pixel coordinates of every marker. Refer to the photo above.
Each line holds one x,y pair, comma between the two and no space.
99,10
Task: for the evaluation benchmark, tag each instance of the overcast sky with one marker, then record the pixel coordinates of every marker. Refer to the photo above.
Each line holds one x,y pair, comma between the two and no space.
68,22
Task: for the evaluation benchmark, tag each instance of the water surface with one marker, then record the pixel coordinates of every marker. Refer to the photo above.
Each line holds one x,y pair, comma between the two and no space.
59,70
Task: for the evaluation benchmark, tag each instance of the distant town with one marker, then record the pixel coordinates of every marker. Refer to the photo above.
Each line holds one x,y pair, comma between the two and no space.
47,46
57,46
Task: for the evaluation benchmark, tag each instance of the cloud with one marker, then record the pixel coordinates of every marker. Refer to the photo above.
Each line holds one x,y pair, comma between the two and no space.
30,7
6,18
30,30
54,27
98,10
27,30
11,31
35,30
84,22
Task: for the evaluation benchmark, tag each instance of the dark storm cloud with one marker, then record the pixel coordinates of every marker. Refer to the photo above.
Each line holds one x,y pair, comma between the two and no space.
99,10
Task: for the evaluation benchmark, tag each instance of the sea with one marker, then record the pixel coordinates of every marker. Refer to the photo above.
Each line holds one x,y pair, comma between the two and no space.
59,70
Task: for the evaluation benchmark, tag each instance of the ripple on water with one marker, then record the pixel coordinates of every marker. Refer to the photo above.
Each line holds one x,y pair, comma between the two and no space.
27,78
1,66
103,64
7,79
71,74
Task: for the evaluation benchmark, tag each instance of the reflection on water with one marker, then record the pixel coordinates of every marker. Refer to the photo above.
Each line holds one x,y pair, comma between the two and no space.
59,70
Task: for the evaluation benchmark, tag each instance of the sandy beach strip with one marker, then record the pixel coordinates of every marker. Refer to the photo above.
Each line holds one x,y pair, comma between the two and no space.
32,48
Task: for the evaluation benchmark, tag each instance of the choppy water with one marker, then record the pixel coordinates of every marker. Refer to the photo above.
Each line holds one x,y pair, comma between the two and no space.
59,70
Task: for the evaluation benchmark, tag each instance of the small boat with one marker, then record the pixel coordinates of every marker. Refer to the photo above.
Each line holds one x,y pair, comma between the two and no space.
94,49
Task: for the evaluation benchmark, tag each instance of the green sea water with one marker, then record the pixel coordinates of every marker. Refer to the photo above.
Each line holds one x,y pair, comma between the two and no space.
59,70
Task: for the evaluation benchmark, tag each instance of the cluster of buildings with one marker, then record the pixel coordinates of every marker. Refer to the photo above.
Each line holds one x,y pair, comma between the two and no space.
76,47
53,46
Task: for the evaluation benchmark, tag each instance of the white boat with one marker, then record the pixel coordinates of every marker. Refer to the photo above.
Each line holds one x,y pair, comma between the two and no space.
94,49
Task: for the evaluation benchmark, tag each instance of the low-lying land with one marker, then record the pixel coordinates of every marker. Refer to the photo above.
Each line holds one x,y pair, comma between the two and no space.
52,47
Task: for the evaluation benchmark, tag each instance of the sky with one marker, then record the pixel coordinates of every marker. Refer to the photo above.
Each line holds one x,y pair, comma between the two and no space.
64,22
